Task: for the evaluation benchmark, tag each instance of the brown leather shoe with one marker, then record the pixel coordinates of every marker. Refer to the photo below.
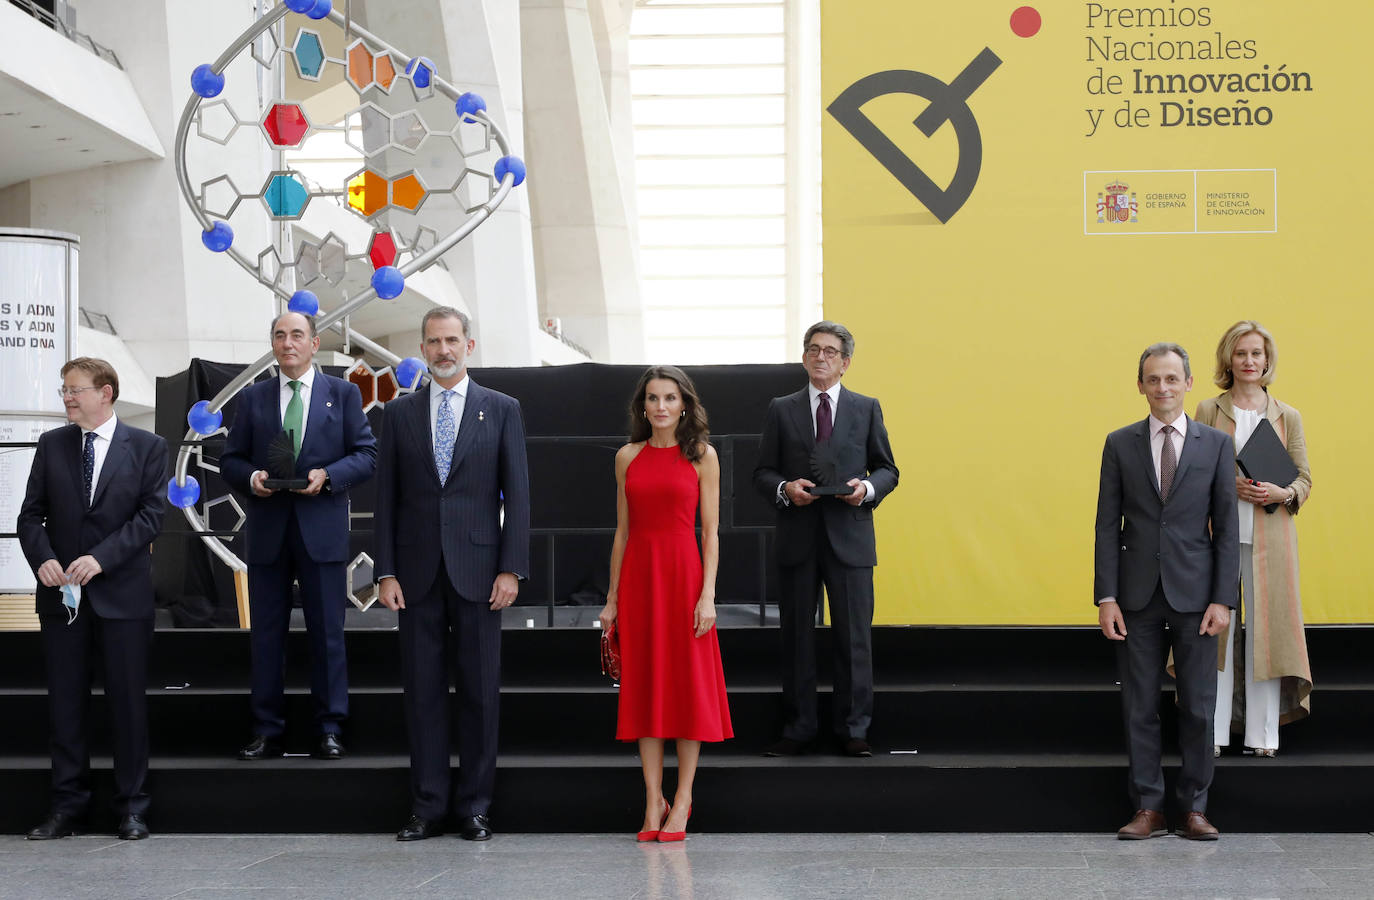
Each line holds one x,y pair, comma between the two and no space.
1147,823
1197,828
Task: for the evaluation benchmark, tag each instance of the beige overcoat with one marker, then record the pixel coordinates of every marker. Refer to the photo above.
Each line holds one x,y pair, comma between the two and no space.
1277,632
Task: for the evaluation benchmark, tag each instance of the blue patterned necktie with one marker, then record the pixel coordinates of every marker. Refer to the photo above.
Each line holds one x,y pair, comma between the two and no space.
444,435
88,465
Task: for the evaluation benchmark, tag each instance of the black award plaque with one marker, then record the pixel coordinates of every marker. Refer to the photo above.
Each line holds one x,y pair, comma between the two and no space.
281,465
825,472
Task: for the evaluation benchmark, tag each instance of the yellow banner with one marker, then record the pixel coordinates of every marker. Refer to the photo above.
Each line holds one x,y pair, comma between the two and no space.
1018,201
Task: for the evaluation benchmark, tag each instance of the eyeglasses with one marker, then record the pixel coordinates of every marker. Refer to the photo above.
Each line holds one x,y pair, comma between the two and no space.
64,392
816,350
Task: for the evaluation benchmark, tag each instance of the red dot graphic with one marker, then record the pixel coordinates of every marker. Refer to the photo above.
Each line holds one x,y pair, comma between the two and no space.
1025,22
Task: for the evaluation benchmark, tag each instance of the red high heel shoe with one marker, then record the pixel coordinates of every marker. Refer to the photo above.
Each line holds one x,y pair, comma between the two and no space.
645,837
668,837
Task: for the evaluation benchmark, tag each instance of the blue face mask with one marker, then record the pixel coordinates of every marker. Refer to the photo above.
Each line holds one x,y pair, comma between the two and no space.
71,598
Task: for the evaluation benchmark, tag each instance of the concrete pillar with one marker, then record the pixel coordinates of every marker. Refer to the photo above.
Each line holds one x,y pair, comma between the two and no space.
581,163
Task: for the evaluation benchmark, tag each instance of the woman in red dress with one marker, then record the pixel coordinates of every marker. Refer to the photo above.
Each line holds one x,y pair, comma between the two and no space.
663,592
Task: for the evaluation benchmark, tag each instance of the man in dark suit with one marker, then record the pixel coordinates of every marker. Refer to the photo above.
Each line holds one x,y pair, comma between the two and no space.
1166,572
825,539
298,535
93,505
452,544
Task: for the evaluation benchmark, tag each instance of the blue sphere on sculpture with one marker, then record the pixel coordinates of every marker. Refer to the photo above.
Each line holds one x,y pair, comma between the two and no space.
206,82
185,495
320,9
468,104
300,6
388,282
409,370
420,69
202,419
305,303
512,165
218,237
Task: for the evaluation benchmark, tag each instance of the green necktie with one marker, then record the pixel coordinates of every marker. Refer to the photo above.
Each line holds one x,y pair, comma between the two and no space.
292,421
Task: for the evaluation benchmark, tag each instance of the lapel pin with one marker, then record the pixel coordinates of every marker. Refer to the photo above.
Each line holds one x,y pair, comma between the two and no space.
328,403
481,415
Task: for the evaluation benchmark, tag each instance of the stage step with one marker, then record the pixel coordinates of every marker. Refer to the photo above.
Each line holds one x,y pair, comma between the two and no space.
1015,729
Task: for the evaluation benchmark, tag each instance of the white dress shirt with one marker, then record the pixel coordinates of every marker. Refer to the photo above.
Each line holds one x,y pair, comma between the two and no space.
1247,420
104,433
456,403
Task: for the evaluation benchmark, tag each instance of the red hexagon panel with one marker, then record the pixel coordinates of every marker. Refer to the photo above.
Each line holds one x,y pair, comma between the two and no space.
285,125
382,249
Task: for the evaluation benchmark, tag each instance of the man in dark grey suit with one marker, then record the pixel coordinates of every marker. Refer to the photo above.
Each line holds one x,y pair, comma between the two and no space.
93,505
1167,554
825,539
451,546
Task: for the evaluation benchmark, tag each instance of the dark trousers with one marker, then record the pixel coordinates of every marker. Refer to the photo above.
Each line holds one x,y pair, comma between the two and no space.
1140,659
67,651
323,595
441,633
850,591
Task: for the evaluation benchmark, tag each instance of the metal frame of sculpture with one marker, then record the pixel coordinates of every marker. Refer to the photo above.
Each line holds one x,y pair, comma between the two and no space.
369,62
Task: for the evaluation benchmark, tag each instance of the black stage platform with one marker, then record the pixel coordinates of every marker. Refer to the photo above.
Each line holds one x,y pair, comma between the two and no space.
1015,729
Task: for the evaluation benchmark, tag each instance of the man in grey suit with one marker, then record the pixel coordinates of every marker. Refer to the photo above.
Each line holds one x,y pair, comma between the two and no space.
452,543
825,539
1166,573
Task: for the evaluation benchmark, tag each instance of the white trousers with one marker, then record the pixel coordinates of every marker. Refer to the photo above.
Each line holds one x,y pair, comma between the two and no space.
1261,697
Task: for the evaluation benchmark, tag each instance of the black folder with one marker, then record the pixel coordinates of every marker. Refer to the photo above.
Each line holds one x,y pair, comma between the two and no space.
1265,458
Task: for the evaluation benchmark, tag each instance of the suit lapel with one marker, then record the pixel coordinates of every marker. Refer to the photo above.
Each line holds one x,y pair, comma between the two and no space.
1147,458
801,417
321,408
115,458
1191,435
73,456
474,418
417,420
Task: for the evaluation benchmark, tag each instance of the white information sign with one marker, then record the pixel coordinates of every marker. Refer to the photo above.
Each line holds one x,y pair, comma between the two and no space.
37,335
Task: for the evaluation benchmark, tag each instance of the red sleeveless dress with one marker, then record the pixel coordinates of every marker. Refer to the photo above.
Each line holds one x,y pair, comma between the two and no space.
671,682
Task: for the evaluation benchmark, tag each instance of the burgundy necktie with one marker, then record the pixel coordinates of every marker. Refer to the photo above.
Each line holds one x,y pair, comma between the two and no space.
1168,463
825,423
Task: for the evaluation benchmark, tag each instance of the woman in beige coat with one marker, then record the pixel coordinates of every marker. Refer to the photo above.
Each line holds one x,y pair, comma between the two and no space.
1277,679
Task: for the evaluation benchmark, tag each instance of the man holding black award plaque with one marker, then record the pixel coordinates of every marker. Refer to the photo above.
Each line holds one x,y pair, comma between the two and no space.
825,463
298,443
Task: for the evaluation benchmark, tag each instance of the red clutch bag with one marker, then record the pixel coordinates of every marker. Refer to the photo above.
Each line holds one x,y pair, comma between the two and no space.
610,653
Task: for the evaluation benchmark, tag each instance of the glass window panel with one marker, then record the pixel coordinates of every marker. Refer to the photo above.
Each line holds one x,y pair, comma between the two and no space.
723,350
710,171
731,261
721,50
725,111
679,201
711,231
770,80
717,20
701,292
711,322
708,141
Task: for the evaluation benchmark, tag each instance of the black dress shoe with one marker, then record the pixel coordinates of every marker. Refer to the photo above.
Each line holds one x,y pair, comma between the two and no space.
262,748
132,828
417,829
330,747
857,747
786,747
56,825
474,828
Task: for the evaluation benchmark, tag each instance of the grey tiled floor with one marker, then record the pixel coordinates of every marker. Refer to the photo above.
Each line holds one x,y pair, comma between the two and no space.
707,867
